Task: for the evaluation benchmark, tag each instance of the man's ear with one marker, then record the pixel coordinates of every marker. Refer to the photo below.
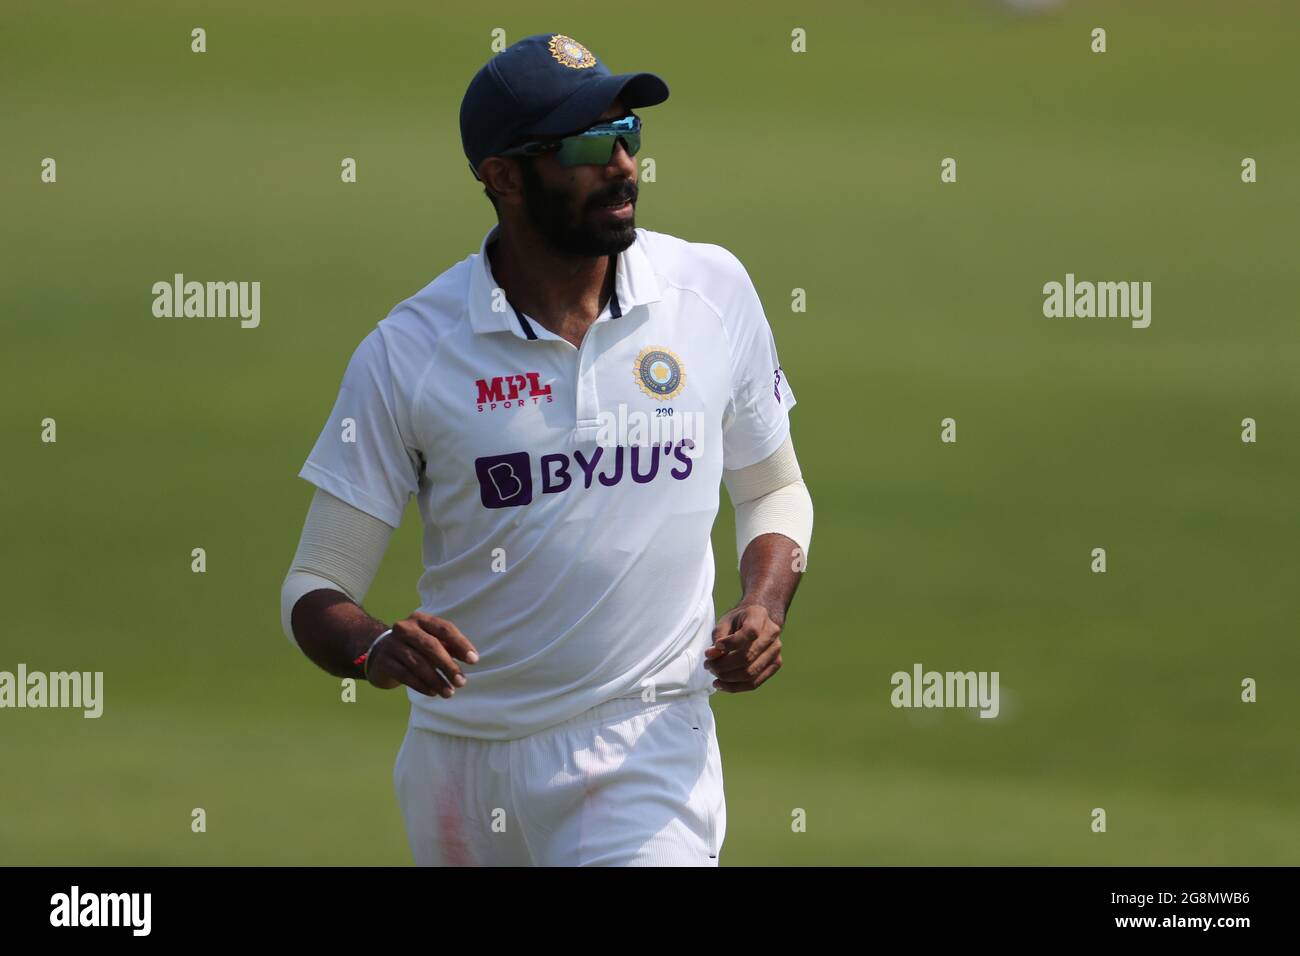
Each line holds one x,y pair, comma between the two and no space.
501,176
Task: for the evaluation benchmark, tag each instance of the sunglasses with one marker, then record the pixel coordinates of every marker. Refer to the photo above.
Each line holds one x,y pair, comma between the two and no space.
592,145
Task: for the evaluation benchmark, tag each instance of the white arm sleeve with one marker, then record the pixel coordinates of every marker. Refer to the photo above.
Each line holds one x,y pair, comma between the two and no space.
770,496
340,550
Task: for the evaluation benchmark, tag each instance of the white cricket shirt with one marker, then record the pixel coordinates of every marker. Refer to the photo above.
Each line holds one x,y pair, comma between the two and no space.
567,494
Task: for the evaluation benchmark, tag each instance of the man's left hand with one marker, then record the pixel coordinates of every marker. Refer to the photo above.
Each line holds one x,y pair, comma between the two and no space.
746,649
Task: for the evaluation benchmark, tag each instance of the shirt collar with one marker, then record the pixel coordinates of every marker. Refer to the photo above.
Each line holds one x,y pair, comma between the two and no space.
634,284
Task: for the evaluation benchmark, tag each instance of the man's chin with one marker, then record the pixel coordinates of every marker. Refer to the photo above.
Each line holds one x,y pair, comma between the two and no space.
608,238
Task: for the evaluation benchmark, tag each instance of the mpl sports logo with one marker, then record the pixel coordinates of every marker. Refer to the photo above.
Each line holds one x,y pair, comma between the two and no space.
507,481
512,391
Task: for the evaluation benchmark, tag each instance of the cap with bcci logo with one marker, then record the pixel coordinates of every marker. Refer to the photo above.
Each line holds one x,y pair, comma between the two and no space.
547,84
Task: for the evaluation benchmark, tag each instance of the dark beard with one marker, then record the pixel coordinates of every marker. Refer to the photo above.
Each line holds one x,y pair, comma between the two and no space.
548,211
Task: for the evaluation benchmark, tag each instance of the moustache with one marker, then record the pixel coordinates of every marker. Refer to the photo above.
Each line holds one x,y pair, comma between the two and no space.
626,194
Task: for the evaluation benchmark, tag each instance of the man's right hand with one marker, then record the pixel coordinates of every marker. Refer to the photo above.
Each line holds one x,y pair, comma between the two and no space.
422,653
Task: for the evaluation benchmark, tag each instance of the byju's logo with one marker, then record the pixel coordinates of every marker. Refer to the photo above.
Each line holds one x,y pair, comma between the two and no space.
506,481
508,391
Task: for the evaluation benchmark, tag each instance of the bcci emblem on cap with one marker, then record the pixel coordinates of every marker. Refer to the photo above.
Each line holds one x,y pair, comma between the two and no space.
659,373
570,52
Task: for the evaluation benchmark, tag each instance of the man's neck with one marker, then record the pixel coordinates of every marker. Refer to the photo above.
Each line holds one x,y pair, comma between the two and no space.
563,294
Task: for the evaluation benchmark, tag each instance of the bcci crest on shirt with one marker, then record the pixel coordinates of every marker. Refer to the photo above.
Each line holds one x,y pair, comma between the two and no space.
659,373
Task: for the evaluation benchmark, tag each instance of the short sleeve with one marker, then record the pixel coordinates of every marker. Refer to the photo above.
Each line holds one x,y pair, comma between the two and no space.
758,417
364,455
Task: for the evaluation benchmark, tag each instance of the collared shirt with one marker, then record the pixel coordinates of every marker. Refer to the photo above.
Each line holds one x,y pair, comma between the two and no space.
567,493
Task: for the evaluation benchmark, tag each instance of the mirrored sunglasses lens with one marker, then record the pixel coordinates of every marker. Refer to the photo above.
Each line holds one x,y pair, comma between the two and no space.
596,149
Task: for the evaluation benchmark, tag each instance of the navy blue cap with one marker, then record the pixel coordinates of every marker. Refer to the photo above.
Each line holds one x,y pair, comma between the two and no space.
546,85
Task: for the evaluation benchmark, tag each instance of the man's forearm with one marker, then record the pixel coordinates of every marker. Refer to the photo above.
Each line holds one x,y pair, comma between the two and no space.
768,574
333,631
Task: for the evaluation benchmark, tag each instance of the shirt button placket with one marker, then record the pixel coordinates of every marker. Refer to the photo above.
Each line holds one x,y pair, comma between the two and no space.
588,399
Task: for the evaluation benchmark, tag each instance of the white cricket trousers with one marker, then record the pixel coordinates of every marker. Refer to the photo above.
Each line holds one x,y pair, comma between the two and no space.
625,783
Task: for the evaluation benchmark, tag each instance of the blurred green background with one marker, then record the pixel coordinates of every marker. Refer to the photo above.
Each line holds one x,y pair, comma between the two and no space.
820,171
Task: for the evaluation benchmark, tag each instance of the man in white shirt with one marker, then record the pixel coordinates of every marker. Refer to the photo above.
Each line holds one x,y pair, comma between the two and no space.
564,405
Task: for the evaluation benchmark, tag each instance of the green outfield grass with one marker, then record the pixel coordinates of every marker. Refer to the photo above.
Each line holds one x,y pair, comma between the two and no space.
820,171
